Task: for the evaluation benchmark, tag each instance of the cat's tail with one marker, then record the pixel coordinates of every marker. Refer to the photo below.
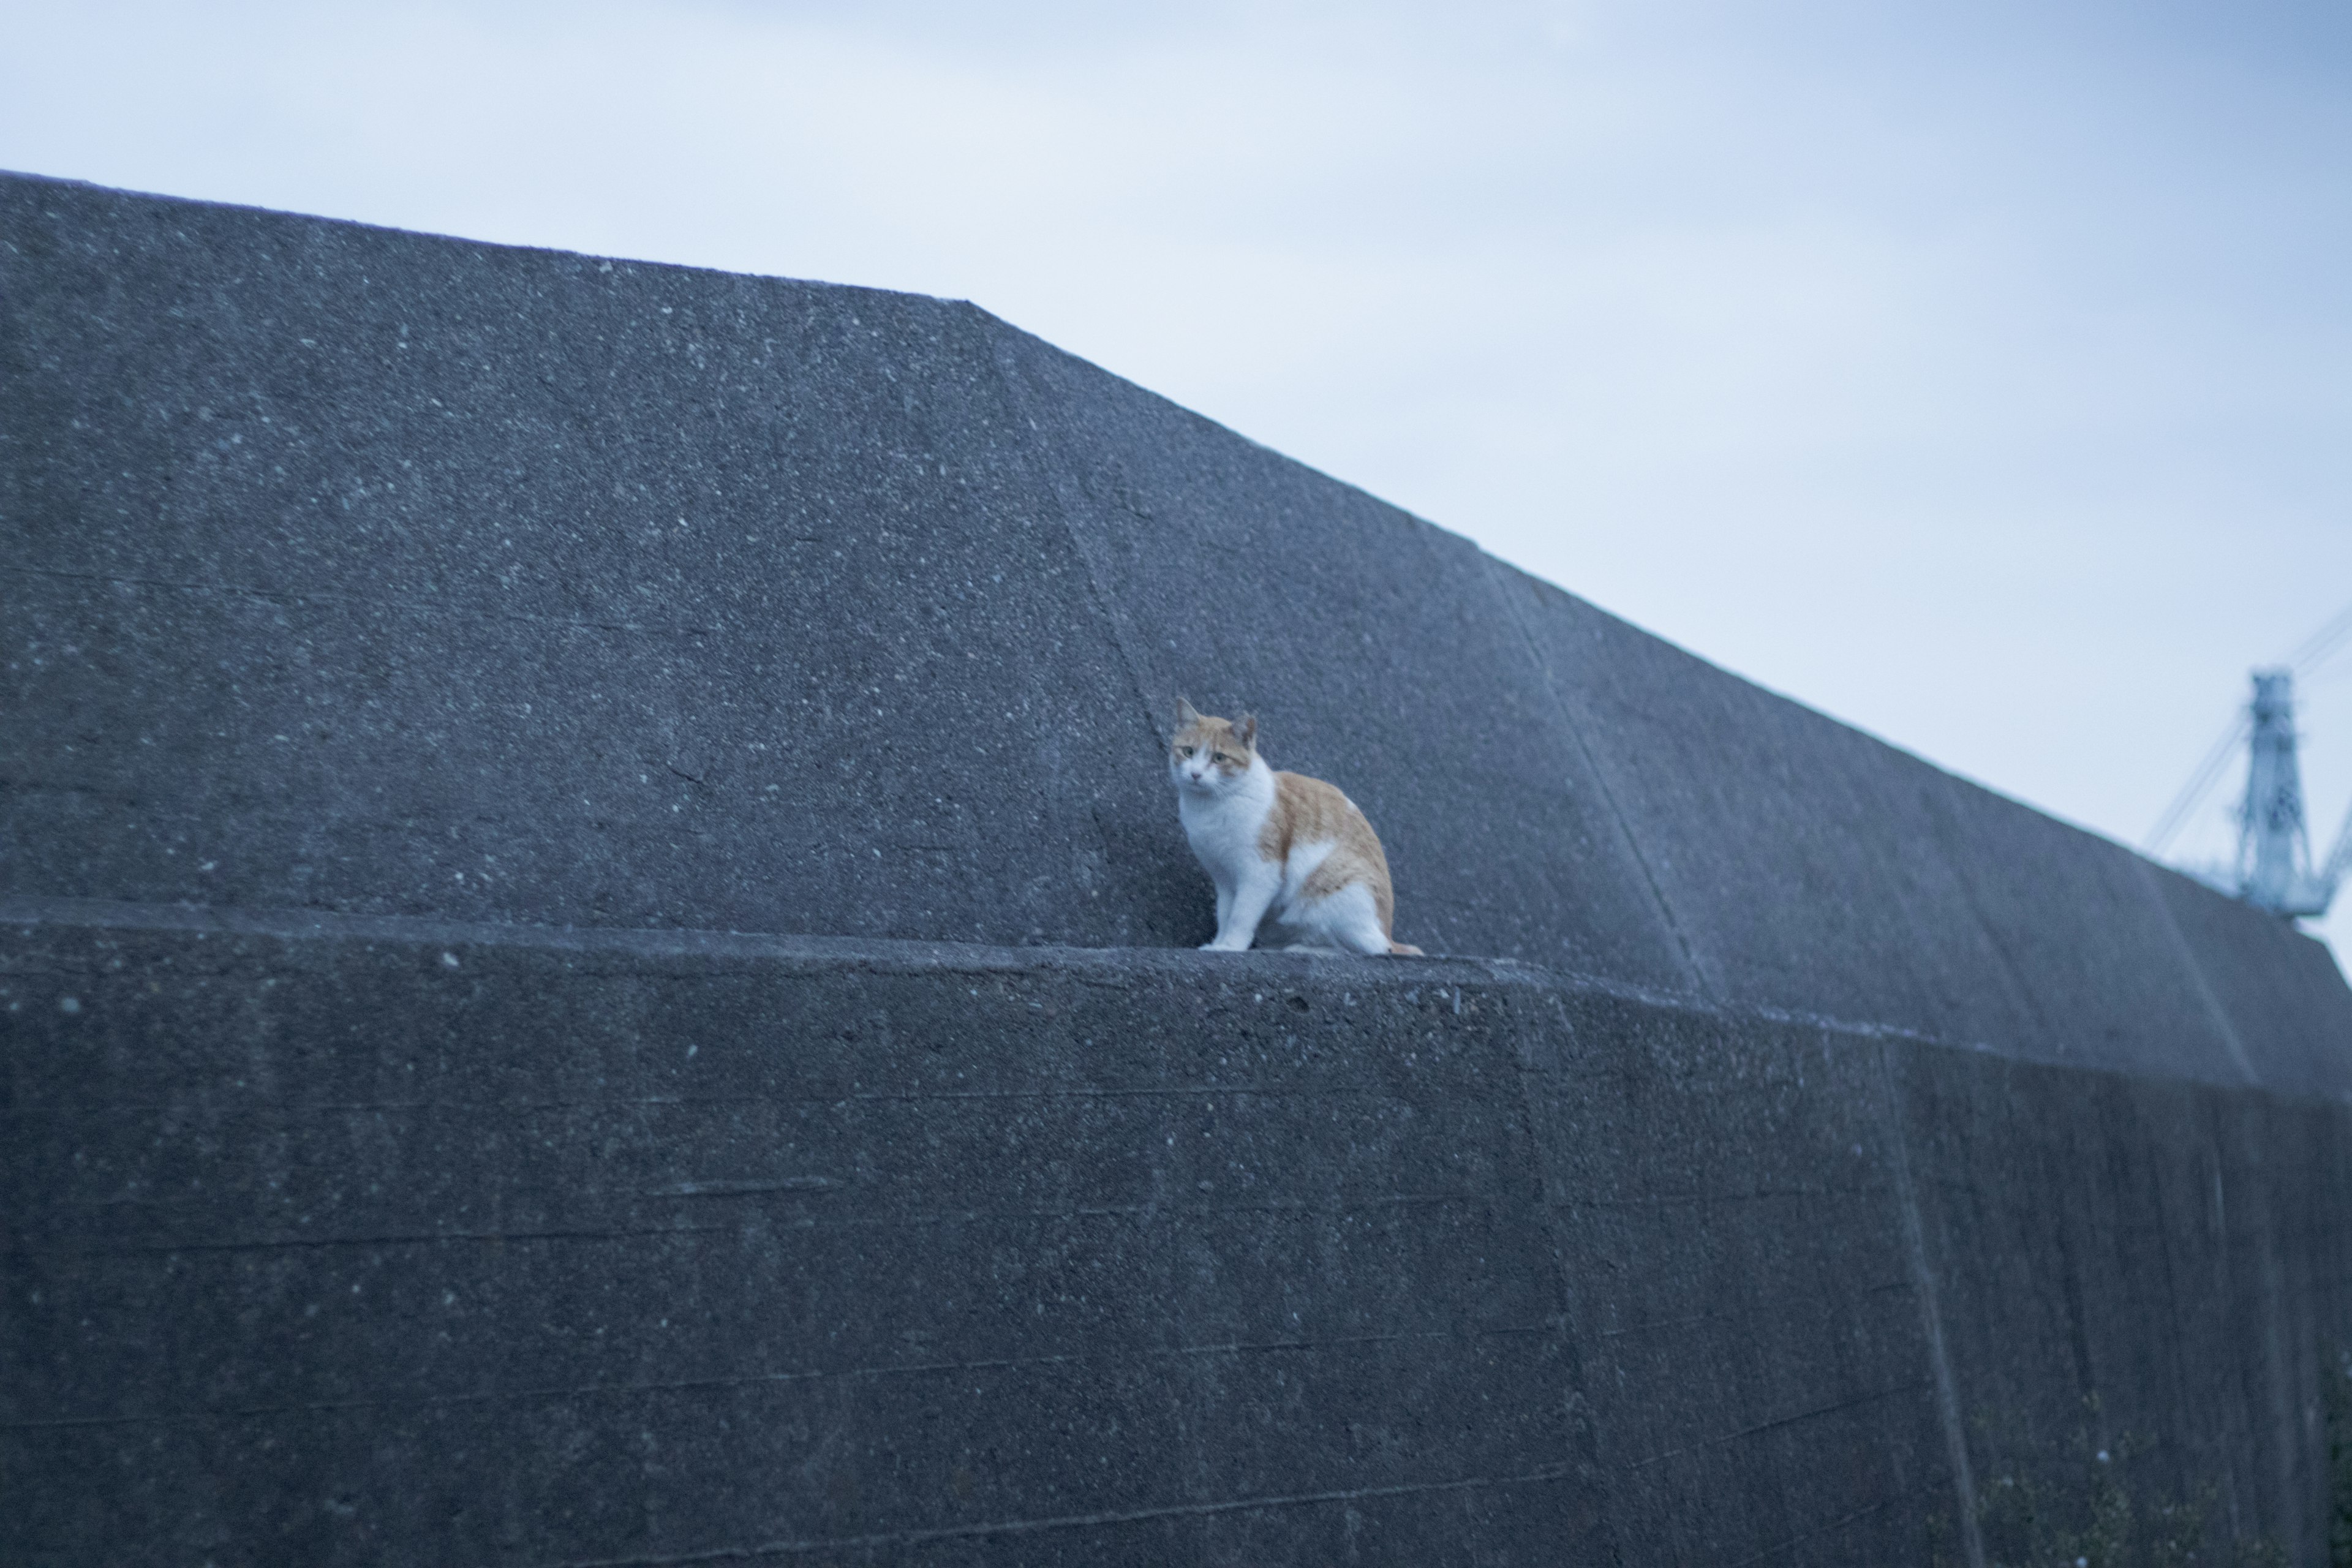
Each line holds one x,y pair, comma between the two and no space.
1399,950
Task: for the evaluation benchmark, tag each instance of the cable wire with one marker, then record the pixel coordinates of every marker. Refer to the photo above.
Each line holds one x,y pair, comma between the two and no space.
2199,782
2321,643
2307,656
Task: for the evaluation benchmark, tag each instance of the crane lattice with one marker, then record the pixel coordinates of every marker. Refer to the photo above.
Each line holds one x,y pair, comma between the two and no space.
2274,869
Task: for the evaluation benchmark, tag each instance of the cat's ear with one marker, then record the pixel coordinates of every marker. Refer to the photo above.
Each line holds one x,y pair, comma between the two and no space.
1246,730
1186,713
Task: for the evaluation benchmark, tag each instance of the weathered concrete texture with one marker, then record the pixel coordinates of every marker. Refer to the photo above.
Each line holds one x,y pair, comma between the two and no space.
1889,1145
467,1244
1810,867
381,573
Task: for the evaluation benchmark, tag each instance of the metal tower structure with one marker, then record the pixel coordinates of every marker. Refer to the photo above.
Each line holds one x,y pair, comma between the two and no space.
2274,871
2273,868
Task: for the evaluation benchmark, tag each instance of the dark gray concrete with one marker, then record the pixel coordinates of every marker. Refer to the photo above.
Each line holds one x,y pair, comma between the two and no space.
381,573
416,650
343,1239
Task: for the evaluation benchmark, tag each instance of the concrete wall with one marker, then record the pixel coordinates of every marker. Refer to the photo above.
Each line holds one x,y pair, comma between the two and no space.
374,573
414,648
344,1239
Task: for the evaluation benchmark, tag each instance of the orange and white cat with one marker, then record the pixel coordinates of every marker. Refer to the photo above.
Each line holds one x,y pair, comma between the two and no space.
1283,848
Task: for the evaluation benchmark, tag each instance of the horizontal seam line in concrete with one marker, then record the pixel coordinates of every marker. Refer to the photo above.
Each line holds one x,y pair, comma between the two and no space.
1064,1521
1344,1205
896,955
35,1109
309,595
1775,1425
1752,1195
899,954
1834,1525
916,956
622,1390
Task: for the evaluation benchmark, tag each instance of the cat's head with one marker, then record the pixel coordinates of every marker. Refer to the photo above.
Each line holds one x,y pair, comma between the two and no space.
1208,754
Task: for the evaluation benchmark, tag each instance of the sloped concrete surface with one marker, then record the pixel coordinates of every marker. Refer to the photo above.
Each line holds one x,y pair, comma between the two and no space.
595,967
387,575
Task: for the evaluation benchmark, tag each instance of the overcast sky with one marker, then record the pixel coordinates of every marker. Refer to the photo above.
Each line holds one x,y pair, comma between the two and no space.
1979,374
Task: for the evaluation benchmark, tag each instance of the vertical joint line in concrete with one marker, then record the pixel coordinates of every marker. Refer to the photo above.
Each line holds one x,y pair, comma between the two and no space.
1582,1426
1931,1316
1018,395
2230,1040
1959,857
1600,782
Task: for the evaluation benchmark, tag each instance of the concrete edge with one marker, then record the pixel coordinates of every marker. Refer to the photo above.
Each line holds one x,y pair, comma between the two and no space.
1113,965
70,182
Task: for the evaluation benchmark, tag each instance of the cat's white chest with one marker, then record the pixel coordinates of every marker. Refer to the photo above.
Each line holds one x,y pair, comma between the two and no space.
1226,829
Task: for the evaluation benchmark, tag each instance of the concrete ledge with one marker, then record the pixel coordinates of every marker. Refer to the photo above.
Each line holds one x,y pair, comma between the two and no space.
331,1241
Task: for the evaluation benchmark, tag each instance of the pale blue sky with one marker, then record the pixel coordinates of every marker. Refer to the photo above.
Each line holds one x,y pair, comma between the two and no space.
1983,377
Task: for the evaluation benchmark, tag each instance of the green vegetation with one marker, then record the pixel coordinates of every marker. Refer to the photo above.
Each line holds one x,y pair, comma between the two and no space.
2095,1509
2338,1381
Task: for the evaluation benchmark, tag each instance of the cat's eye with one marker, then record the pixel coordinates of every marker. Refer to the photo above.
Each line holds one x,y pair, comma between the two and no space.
1186,751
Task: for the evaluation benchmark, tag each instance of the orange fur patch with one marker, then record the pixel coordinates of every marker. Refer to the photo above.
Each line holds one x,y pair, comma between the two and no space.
1305,811
1309,811
1230,745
